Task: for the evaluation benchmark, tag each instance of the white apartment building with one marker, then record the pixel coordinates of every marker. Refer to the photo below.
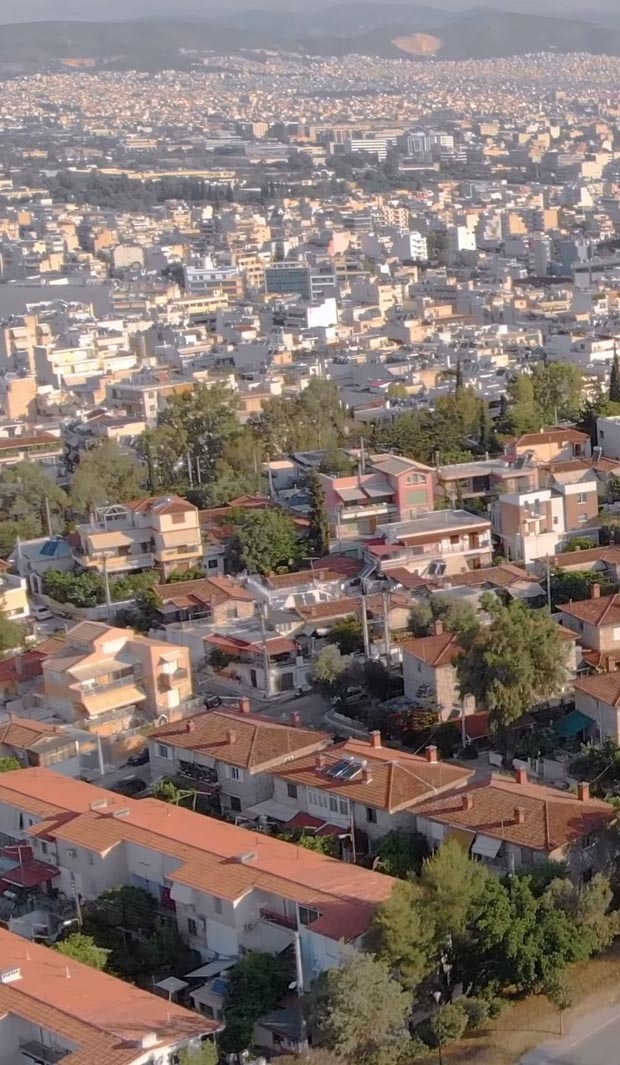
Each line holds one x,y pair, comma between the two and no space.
230,890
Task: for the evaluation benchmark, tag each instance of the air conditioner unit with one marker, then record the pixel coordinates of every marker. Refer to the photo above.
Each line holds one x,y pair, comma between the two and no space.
71,852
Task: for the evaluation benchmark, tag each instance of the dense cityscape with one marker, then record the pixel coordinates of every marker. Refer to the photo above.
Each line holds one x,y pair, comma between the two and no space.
310,561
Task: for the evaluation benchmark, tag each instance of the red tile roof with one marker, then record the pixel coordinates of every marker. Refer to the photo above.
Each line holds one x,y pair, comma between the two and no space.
437,651
551,819
602,611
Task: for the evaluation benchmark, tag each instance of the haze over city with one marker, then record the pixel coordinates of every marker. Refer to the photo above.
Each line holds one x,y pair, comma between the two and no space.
309,533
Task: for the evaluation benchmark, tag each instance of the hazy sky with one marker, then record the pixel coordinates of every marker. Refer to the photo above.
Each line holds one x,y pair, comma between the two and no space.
26,10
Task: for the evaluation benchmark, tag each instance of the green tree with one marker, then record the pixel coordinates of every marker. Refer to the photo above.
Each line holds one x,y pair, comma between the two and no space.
376,679
359,1011
456,617
614,380
590,907
577,543
347,634
336,463
557,389
523,414
79,589
205,1054
12,635
318,533
204,419
330,672
82,948
401,854
567,587
453,885
397,391
8,764
107,474
167,791
26,493
559,993
255,986
402,936
163,451
512,664
448,1024
266,540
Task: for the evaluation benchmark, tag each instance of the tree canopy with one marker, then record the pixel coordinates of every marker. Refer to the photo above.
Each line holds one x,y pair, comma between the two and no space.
265,541
83,948
107,474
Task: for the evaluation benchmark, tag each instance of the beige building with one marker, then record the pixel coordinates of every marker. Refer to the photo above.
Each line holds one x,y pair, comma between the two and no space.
162,534
105,678
13,598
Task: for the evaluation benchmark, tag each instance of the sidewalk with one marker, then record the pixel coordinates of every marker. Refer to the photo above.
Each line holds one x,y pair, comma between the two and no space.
592,1040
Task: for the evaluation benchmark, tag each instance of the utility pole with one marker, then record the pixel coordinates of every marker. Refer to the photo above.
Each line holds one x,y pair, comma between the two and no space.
548,583
365,629
386,629
48,518
106,582
189,470
266,668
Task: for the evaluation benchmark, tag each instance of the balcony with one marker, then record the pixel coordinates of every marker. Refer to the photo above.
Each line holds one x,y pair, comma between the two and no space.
40,1053
129,679
278,918
170,555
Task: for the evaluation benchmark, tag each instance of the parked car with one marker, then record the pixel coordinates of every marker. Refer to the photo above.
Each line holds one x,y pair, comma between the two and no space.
211,700
141,757
130,786
41,612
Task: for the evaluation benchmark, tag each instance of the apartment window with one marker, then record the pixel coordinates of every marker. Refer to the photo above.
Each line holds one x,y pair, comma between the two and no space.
212,563
178,519
371,815
192,927
163,751
307,915
217,905
582,519
582,497
235,804
291,791
234,773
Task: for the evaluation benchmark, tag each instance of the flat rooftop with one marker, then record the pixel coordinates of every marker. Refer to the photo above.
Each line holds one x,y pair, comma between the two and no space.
435,521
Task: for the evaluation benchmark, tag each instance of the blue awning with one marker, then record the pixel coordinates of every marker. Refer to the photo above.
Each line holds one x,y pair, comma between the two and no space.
573,724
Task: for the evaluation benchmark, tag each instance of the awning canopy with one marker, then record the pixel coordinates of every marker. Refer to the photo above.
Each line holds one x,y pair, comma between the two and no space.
212,968
278,811
316,825
30,874
272,940
463,836
571,725
351,495
377,491
486,847
172,985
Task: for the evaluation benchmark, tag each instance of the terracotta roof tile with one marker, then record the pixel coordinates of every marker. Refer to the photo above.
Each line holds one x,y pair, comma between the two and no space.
552,819
442,650
244,740
602,611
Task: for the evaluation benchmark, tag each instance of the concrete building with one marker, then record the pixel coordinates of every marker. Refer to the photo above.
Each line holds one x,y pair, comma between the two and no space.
55,1009
534,525
159,533
437,544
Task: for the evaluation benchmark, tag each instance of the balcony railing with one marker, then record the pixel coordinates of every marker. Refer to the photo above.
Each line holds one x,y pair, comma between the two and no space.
278,918
119,682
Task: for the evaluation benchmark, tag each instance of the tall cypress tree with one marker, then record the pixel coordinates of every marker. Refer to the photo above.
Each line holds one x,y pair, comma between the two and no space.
458,381
614,380
318,537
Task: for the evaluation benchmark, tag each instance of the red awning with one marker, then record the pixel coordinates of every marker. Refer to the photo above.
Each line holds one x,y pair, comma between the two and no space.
316,825
30,874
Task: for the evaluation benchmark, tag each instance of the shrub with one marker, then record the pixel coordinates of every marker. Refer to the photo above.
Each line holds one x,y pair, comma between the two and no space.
477,1011
446,1026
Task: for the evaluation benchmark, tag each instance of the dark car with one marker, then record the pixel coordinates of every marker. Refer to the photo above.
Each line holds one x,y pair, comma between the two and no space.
141,757
211,700
130,786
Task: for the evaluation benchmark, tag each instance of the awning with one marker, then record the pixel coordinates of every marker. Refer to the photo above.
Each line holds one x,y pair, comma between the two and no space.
113,700
351,495
204,997
272,940
377,491
524,590
30,874
485,847
172,985
316,825
278,811
463,836
212,968
571,725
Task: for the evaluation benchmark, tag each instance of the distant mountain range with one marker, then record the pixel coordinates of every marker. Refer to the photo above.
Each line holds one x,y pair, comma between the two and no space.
386,29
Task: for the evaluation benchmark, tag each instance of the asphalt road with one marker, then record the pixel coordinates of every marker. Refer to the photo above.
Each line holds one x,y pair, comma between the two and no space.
595,1040
310,706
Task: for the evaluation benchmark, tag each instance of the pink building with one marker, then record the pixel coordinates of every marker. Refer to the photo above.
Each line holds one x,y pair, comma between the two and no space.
392,489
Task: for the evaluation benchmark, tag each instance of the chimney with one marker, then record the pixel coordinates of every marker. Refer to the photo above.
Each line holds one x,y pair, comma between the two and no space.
367,775
431,753
231,736
519,815
319,762
295,719
522,776
375,738
191,726
583,792
245,706
467,802
438,627
595,591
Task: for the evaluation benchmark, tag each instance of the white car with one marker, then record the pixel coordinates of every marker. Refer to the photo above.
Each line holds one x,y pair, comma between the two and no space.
41,612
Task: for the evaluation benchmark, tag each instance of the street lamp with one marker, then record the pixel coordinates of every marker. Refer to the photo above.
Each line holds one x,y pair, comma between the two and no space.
437,997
